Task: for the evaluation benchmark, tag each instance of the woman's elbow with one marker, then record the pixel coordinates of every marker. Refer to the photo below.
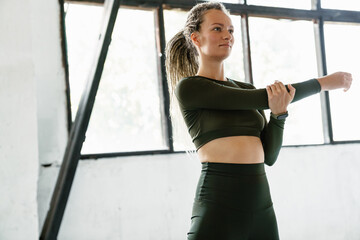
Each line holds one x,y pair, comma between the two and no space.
270,162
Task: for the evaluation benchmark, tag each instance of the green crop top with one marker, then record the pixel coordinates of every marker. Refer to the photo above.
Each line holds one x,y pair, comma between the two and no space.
214,109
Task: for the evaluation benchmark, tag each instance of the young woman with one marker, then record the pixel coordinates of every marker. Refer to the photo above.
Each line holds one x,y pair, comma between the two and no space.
226,122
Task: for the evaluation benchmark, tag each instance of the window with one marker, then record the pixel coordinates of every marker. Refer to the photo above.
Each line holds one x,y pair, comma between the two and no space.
342,52
234,65
128,114
284,50
82,31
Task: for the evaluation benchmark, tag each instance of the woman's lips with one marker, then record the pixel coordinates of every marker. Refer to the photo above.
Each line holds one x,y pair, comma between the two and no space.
225,45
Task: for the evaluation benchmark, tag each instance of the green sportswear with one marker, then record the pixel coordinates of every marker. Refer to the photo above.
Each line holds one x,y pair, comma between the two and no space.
213,109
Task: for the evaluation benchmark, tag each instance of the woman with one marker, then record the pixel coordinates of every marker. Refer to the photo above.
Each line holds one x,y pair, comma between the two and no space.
226,121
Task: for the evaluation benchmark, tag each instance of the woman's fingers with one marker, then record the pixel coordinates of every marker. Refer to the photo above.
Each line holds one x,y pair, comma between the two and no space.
347,81
278,87
273,88
292,91
269,91
278,97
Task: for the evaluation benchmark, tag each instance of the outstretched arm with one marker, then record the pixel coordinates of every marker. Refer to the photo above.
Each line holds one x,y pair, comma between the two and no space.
202,93
272,134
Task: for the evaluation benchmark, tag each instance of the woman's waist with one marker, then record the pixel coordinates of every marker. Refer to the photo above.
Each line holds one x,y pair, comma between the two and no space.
234,149
243,186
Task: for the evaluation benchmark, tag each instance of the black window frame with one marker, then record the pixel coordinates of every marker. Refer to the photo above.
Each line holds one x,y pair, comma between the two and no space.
316,14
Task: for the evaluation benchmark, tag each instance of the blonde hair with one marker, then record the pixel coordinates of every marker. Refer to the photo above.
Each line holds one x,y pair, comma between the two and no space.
182,61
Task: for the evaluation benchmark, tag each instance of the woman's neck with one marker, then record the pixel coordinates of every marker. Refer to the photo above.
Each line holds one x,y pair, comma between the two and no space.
214,70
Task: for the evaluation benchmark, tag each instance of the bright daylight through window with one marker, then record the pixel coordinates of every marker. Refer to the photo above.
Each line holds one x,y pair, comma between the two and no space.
127,115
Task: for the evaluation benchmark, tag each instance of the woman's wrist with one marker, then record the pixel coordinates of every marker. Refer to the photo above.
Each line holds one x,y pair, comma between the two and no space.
280,116
322,84
279,112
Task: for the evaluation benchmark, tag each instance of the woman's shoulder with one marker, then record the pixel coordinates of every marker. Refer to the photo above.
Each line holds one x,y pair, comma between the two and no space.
243,84
204,82
196,81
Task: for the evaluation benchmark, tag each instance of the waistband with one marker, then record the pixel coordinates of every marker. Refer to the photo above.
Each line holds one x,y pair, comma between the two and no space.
234,168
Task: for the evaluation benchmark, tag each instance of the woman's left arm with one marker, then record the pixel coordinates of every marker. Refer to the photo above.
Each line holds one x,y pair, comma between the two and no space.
272,135
272,138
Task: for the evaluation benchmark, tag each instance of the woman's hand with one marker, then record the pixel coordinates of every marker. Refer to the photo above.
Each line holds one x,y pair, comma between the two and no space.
278,97
335,81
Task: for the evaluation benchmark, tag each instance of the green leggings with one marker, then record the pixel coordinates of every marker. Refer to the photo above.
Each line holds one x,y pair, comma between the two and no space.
233,202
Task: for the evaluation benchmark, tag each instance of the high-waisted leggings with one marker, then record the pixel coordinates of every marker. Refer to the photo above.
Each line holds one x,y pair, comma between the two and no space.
233,202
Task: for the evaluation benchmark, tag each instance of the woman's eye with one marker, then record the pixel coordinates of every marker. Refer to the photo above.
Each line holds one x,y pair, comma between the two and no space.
231,31
217,29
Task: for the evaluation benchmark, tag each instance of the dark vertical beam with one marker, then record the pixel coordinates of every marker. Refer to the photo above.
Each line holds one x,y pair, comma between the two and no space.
322,70
77,135
246,48
163,84
65,64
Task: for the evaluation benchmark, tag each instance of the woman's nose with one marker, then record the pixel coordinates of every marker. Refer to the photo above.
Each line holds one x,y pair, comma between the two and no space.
227,35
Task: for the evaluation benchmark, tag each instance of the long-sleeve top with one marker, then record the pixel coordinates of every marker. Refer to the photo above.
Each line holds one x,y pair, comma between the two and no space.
214,109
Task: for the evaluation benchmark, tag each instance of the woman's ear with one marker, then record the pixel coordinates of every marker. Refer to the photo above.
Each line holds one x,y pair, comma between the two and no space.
195,38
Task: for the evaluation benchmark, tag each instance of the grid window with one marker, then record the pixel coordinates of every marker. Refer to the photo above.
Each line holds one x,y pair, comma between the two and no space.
284,50
342,53
128,109
126,114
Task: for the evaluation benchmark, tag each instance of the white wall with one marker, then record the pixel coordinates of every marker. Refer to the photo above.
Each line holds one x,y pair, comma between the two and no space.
51,99
18,133
32,113
315,191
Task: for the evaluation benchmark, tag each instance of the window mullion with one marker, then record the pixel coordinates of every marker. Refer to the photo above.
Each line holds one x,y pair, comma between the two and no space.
322,70
246,48
163,85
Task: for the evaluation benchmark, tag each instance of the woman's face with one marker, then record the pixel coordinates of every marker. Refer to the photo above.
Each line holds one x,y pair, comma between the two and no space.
215,38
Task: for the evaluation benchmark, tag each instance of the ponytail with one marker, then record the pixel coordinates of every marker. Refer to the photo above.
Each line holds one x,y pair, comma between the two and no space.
181,60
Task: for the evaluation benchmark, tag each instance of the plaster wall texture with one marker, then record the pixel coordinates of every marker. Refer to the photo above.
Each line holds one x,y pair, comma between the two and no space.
18,131
315,191
33,110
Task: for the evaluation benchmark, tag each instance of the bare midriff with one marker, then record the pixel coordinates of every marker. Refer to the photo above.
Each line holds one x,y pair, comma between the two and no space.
234,149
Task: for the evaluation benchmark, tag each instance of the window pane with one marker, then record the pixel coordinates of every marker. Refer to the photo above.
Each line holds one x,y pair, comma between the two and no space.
352,5
300,4
234,66
285,50
82,32
126,114
342,53
174,22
